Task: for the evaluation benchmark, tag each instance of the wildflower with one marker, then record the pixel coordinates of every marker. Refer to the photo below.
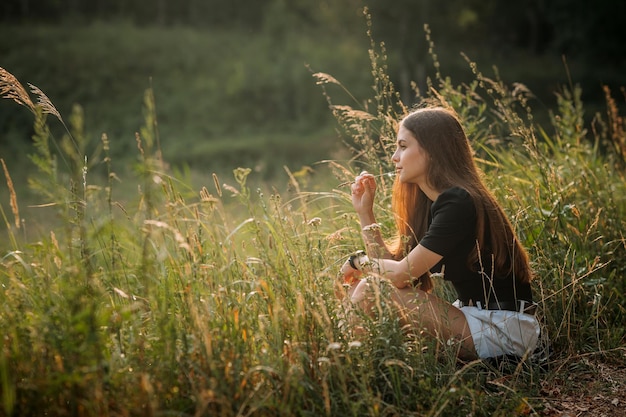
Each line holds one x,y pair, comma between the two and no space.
315,221
371,227
333,346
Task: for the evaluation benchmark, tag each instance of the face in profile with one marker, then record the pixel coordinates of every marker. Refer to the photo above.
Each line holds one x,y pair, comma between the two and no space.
410,158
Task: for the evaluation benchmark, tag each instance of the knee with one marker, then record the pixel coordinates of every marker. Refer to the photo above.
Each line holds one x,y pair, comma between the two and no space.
368,296
358,295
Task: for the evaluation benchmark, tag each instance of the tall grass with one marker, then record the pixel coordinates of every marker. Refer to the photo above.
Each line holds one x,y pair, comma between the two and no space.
220,301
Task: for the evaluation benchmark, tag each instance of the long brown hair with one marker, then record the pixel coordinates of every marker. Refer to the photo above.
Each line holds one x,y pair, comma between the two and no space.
439,132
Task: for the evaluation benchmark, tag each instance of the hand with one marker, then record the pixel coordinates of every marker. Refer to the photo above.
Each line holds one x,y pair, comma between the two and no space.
363,190
348,274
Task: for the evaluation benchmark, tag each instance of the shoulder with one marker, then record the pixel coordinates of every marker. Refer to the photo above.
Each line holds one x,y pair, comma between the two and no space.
454,206
455,196
452,223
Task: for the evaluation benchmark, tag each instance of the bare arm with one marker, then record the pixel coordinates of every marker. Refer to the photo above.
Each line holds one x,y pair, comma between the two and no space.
400,273
374,243
363,191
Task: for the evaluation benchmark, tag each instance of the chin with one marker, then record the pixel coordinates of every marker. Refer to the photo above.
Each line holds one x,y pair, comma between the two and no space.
408,180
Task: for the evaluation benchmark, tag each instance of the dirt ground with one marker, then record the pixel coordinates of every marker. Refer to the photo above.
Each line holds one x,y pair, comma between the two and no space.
586,387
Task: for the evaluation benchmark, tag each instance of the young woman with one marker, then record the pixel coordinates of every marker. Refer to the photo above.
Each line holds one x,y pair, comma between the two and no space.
449,224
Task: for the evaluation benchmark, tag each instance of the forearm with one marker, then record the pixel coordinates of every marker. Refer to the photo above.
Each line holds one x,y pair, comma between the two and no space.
401,273
375,245
396,272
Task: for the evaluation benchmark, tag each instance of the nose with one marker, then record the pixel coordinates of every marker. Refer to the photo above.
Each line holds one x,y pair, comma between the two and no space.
395,158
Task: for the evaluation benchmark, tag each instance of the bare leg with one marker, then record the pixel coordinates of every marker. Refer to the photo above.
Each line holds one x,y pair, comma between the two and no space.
418,311
347,319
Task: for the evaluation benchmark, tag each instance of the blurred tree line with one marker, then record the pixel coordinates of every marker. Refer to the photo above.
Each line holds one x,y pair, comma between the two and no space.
577,28
212,61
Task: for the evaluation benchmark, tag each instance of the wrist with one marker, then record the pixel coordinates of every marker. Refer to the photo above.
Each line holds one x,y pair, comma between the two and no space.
357,259
366,218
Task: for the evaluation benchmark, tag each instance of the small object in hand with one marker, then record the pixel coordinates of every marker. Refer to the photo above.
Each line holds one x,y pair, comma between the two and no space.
355,256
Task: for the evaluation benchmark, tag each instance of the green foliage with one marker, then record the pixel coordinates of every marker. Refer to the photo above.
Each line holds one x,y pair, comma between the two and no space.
222,302
211,87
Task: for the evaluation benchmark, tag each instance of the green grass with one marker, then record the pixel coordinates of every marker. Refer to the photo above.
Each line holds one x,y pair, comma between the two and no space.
218,299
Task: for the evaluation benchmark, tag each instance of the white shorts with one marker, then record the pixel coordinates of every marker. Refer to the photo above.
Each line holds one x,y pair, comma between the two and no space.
501,332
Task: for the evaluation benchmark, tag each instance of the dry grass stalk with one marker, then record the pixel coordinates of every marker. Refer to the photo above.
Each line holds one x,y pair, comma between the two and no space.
323,78
139,146
44,102
11,88
349,113
217,184
13,194
617,124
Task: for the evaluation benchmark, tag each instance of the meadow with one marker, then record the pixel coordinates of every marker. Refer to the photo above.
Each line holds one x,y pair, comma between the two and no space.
219,299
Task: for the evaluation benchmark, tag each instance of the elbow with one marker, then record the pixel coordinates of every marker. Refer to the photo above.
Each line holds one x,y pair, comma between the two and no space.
401,284
404,282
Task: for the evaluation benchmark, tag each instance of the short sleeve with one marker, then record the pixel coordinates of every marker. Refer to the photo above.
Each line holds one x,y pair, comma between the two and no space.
453,222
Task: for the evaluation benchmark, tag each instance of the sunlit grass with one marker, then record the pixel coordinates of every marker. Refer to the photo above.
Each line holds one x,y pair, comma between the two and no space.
219,299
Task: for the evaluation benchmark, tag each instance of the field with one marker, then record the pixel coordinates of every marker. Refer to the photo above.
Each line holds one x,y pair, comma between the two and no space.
218,299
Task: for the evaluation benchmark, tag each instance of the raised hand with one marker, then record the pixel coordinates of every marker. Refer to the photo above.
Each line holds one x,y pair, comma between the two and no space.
363,191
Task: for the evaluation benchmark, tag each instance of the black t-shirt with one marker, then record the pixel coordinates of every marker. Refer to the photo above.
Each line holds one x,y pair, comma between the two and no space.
452,234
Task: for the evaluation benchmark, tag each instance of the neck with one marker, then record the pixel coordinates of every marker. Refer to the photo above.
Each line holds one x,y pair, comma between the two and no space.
430,192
